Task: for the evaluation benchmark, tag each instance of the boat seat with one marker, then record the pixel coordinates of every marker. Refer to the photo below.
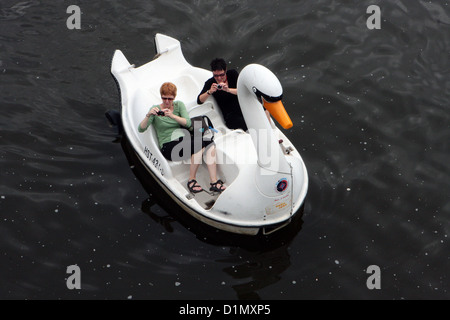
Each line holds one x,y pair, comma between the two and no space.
188,89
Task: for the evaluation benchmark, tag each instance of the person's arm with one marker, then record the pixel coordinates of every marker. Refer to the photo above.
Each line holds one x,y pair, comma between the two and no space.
208,89
183,119
148,120
203,96
231,90
232,80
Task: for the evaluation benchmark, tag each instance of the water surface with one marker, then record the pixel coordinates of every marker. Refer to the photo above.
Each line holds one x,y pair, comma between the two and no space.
371,120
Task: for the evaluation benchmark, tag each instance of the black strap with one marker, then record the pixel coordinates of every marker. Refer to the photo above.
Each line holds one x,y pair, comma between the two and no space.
208,122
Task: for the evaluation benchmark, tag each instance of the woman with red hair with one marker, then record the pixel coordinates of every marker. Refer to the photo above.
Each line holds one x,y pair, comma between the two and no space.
171,120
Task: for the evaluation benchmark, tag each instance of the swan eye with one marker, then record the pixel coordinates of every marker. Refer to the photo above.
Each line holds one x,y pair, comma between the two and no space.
258,94
266,97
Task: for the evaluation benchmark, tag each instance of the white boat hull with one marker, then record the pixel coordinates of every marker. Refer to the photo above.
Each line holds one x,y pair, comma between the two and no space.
249,205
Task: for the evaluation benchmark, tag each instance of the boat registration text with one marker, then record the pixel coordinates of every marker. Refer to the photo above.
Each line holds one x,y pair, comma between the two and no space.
153,159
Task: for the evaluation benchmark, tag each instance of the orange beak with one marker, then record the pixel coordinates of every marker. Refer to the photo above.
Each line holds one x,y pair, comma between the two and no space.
278,111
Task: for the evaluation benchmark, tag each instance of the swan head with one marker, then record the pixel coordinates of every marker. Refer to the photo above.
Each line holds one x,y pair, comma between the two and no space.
268,90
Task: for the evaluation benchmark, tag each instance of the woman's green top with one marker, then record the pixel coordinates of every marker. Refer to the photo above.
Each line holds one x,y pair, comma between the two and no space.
168,129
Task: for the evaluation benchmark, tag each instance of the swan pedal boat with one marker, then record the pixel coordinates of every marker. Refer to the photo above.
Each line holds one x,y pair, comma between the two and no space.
265,176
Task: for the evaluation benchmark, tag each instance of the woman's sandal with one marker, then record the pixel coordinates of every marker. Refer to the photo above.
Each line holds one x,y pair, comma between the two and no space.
193,184
214,187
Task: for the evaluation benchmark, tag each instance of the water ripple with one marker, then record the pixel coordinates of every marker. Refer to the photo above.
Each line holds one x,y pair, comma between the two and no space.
371,117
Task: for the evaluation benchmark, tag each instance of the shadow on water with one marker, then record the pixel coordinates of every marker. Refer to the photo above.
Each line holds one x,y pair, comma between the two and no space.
254,262
202,231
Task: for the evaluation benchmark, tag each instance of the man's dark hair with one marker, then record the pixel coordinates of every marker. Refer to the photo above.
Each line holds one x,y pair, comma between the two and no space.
218,64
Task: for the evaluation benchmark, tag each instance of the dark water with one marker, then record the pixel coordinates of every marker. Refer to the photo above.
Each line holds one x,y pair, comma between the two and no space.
371,119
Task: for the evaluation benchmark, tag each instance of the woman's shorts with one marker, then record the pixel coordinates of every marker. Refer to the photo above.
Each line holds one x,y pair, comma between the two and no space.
183,148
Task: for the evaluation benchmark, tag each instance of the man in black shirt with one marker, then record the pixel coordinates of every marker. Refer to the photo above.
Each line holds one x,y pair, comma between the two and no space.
223,87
